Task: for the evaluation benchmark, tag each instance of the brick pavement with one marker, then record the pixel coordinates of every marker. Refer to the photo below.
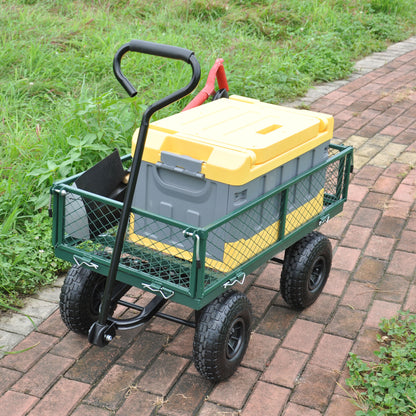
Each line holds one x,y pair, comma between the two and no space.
295,364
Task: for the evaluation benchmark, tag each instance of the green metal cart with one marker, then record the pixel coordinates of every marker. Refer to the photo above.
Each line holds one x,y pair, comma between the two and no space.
92,230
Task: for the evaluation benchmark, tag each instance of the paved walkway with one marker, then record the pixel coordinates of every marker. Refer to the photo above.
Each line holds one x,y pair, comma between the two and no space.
295,365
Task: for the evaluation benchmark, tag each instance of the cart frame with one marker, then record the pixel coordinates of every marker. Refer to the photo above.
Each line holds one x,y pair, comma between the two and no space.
197,295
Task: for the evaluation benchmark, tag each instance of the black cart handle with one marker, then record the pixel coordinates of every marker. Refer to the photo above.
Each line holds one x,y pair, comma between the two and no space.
99,328
156,49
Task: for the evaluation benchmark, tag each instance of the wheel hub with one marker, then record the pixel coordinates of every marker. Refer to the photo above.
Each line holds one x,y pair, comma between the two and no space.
317,274
97,296
235,338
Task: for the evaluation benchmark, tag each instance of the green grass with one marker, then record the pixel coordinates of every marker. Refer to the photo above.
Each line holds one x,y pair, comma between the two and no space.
387,386
61,109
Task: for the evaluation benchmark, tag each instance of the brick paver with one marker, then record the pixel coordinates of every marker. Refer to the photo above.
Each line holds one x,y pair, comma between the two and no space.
346,258
285,367
341,405
139,403
114,387
17,404
315,387
161,375
295,364
303,336
260,350
346,322
62,398
266,400
36,344
357,237
234,391
43,375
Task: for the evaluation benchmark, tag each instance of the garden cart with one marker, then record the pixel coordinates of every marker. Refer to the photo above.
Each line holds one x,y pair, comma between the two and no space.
208,196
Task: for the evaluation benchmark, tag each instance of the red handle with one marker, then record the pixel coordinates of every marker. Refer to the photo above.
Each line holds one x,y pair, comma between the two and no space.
217,72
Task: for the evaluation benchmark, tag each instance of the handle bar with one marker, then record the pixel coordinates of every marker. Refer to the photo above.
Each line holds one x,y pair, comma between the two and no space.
166,51
156,49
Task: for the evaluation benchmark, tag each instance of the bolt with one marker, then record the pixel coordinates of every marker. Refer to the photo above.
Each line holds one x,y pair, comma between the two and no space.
108,338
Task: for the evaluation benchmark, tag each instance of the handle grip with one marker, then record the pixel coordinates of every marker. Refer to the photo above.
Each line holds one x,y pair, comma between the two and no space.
149,48
159,49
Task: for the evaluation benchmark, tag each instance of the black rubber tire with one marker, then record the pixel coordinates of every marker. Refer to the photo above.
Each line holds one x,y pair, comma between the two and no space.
305,270
80,298
222,335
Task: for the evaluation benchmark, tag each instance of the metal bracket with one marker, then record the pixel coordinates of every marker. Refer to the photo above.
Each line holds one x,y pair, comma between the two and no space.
101,335
239,278
187,233
86,262
166,293
61,192
324,219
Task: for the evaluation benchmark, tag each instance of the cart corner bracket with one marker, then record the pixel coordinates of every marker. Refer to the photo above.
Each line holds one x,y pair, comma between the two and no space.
324,219
166,293
87,262
239,278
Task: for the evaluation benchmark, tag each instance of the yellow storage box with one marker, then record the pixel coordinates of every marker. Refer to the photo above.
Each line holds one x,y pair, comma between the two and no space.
204,163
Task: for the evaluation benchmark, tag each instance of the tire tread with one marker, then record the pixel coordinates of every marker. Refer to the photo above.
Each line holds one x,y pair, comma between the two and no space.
212,326
295,270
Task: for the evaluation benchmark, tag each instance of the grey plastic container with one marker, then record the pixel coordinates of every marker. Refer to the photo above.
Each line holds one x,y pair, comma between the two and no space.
176,189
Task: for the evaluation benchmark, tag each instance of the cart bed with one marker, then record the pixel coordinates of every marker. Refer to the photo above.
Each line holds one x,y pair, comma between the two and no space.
185,271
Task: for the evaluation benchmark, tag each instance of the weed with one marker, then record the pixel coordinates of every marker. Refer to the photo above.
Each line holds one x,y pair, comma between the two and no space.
26,259
386,387
95,127
202,9
390,7
403,174
303,106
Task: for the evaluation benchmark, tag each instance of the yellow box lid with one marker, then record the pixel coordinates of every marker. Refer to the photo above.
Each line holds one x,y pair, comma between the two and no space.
238,139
